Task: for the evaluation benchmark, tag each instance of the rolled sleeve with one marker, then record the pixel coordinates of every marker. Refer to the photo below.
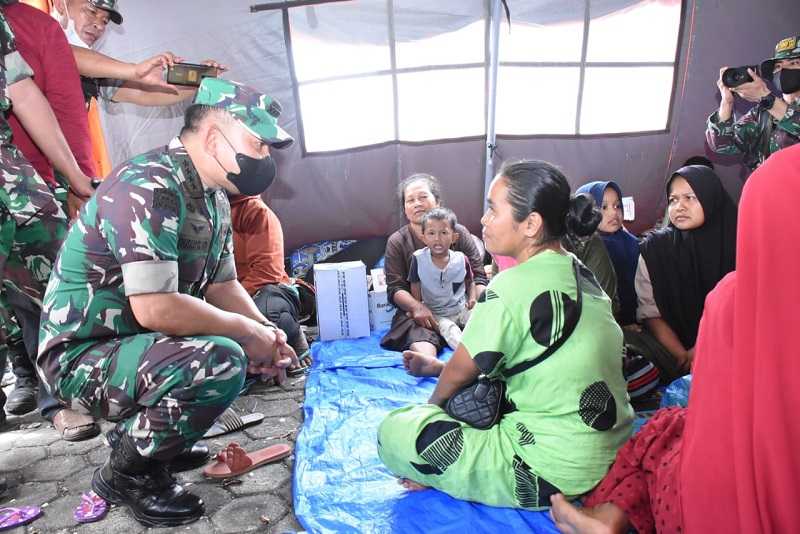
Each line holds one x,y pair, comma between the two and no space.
17,68
647,308
143,277
226,270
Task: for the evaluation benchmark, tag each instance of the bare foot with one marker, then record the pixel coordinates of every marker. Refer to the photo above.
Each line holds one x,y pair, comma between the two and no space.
419,364
410,485
606,518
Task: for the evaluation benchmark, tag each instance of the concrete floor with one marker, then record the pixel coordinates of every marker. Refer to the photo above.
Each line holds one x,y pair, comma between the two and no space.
44,470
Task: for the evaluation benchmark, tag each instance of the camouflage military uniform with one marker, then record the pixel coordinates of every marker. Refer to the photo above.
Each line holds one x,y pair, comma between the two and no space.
152,227
32,225
744,136
758,134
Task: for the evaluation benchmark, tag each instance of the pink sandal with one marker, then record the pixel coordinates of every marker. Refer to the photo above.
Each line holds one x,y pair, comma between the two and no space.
16,516
92,508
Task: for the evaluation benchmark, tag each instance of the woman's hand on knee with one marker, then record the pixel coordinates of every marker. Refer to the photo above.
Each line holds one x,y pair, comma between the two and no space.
423,317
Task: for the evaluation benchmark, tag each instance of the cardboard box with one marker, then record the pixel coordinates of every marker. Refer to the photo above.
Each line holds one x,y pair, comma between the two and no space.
342,306
380,311
628,209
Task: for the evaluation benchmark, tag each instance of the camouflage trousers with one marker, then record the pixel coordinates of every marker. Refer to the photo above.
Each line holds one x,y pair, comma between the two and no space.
167,391
32,227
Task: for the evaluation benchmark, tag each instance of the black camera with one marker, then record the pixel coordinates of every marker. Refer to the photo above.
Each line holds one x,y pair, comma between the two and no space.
736,76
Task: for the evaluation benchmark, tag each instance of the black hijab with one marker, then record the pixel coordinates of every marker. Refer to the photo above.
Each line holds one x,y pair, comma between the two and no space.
685,266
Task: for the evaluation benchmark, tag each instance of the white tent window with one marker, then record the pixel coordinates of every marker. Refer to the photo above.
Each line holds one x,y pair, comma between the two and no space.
441,104
375,71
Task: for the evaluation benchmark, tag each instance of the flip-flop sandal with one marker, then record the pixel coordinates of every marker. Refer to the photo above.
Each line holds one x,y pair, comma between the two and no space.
230,421
16,516
233,460
92,508
305,365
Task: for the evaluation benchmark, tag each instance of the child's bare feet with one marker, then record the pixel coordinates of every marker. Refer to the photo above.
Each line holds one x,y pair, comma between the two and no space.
410,485
419,364
606,518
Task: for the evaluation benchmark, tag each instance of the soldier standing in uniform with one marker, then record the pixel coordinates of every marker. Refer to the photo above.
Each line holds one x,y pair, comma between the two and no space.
772,124
144,322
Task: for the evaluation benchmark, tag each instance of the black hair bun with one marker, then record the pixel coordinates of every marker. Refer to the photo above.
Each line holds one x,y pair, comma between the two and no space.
583,217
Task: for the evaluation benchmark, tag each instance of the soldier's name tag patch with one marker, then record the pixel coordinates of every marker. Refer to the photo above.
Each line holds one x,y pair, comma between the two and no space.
165,200
193,244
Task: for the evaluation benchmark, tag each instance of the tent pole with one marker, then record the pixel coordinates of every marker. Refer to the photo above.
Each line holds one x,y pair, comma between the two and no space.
491,101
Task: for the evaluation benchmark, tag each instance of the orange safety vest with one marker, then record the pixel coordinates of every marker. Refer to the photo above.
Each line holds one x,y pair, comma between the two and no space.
102,163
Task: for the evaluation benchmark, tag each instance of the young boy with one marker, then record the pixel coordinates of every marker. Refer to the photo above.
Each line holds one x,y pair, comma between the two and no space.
441,278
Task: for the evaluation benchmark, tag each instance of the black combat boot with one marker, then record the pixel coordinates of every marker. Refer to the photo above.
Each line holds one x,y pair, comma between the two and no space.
192,458
146,487
23,399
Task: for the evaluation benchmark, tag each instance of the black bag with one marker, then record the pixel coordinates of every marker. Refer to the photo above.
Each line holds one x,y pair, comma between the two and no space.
481,403
478,404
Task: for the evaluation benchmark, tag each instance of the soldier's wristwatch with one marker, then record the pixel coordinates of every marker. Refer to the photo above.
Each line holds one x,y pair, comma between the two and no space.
766,103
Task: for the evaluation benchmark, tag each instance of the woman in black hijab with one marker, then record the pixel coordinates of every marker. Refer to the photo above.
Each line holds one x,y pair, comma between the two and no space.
681,264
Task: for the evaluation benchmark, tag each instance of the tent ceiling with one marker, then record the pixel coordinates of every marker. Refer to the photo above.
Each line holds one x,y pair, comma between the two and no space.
351,194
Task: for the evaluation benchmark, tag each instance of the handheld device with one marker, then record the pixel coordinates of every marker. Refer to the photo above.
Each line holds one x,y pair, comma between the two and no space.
190,74
736,76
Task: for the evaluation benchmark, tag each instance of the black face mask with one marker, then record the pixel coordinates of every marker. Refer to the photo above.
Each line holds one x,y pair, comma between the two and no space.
787,81
255,174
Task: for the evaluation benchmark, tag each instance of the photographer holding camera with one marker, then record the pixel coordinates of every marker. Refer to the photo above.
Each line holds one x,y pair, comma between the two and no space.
773,123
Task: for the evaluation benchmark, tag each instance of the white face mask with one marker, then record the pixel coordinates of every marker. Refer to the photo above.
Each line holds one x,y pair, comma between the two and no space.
68,25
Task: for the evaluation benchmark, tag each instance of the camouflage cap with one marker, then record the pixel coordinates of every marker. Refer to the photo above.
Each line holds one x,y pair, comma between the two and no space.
788,48
255,111
111,7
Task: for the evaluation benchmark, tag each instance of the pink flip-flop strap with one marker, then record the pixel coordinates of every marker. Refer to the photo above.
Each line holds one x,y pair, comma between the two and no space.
92,507
12,516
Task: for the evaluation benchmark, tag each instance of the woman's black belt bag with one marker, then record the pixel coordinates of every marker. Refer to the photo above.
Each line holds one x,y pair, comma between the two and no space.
480,404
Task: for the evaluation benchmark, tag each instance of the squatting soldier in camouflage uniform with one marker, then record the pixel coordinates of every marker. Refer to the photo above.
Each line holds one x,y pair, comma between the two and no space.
32,225
773,123
144,321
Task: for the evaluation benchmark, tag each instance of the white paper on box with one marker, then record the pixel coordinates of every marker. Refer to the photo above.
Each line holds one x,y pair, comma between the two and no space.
381,312
628,208
342,307
378,279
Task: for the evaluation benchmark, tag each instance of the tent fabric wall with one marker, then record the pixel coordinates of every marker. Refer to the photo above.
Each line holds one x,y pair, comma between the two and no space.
352,194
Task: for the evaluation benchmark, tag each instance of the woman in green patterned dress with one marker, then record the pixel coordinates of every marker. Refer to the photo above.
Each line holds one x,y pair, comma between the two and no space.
569,413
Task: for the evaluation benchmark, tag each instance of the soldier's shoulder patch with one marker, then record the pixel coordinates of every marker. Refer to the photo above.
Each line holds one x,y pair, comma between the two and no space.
165,200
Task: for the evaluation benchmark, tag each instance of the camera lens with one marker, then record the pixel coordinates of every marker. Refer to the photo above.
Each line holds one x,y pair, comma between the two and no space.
736,76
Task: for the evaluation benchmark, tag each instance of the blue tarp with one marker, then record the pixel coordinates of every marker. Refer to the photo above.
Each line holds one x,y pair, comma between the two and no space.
340,484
